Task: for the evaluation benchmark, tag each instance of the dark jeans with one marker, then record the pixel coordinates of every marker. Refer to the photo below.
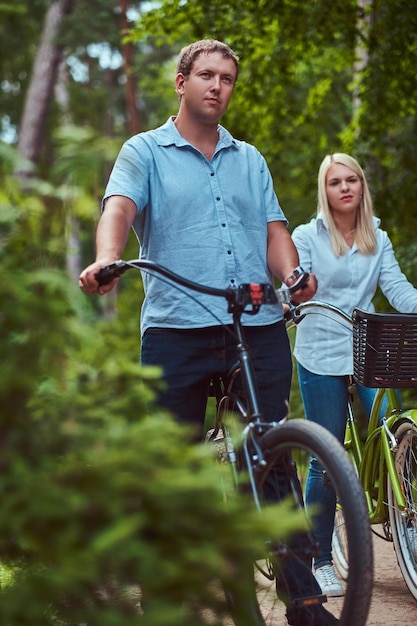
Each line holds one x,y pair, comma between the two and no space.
190,358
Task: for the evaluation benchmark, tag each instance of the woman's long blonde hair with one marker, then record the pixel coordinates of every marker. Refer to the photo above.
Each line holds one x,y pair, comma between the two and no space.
365,231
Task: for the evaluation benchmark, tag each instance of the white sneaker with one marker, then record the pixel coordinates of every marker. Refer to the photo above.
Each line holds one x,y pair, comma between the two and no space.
328,581
412,540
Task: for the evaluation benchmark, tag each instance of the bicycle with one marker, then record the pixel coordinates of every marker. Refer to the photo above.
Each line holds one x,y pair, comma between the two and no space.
385,457
262,447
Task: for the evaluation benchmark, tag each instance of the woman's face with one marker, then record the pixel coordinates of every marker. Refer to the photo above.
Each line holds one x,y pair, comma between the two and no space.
343,188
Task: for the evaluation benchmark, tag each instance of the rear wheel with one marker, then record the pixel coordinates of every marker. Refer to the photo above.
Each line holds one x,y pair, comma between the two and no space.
404,523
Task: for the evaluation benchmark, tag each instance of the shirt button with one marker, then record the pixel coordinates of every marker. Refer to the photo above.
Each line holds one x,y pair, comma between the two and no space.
217,198
211,173
229,252
224,225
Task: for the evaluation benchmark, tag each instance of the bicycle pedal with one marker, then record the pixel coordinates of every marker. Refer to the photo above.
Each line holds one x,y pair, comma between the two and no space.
309,601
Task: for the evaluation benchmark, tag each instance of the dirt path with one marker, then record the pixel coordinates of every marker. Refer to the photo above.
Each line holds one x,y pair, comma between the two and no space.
392,604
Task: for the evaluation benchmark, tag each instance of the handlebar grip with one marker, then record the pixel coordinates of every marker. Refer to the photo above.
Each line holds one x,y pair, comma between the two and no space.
110,272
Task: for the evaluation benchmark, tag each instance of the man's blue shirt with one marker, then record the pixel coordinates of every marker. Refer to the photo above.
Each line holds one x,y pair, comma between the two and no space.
205,220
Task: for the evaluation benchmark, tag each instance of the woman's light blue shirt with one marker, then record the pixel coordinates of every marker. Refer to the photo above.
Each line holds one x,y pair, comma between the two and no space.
205,220
322,345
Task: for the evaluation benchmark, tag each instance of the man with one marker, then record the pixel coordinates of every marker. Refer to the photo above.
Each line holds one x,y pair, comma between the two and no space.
202,204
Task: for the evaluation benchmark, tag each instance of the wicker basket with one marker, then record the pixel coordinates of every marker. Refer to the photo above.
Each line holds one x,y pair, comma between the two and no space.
385,349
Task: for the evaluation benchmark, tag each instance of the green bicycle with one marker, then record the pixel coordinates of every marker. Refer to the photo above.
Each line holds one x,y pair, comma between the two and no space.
385,358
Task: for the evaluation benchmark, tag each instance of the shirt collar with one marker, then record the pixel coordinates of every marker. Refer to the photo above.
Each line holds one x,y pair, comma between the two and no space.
168,135
321,223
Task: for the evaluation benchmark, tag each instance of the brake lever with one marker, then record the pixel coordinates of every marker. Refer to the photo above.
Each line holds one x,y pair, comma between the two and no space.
295,315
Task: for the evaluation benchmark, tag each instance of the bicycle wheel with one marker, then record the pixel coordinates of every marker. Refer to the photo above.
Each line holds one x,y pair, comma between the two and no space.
404,523
291,445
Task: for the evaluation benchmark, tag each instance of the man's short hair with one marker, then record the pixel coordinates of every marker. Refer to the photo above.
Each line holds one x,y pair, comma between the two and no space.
191,52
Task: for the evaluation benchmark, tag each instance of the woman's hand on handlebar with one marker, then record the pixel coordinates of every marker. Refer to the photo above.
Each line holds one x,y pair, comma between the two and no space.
88,279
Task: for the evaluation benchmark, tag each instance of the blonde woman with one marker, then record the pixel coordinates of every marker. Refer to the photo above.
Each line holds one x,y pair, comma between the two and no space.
351,256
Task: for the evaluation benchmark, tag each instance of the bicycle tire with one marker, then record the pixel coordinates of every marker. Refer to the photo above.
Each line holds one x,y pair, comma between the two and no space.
404,523
302,439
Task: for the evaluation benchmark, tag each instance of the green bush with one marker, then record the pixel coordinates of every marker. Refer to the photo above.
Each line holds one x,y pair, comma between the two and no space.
108,497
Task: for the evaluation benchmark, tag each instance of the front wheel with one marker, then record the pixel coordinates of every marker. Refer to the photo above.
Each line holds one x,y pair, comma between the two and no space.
290,447
404,523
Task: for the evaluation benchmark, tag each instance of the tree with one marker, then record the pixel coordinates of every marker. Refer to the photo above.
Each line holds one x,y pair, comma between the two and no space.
387,118
128,51
42,83
19,32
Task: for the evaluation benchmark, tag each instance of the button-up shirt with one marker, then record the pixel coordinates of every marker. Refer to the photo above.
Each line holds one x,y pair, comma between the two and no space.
205,220
324,346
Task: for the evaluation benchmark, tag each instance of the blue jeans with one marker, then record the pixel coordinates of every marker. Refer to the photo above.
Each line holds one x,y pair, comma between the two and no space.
325,400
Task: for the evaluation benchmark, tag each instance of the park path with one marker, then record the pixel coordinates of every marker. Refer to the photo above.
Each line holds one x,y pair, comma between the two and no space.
392,604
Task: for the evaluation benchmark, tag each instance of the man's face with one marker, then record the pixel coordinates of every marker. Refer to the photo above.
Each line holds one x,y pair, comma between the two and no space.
207,90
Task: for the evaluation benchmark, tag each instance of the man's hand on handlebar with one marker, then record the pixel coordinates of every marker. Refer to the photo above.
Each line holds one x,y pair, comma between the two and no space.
306,292
88,279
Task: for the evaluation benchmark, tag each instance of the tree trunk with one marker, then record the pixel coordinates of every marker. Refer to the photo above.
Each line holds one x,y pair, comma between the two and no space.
40,91
127,50
362,43
72,230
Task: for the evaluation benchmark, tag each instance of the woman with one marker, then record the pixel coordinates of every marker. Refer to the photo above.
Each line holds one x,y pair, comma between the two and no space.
351,256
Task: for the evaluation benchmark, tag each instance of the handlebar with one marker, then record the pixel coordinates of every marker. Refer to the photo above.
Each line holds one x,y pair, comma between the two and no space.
296,314
237,297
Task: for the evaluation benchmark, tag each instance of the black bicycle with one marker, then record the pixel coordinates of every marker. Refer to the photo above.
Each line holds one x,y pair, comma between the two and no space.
265,456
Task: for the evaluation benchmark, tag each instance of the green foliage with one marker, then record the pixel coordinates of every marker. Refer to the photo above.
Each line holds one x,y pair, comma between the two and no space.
116,502
392,52
83,157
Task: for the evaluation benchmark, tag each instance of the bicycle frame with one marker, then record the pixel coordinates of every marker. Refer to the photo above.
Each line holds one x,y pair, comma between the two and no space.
374,458
255,425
